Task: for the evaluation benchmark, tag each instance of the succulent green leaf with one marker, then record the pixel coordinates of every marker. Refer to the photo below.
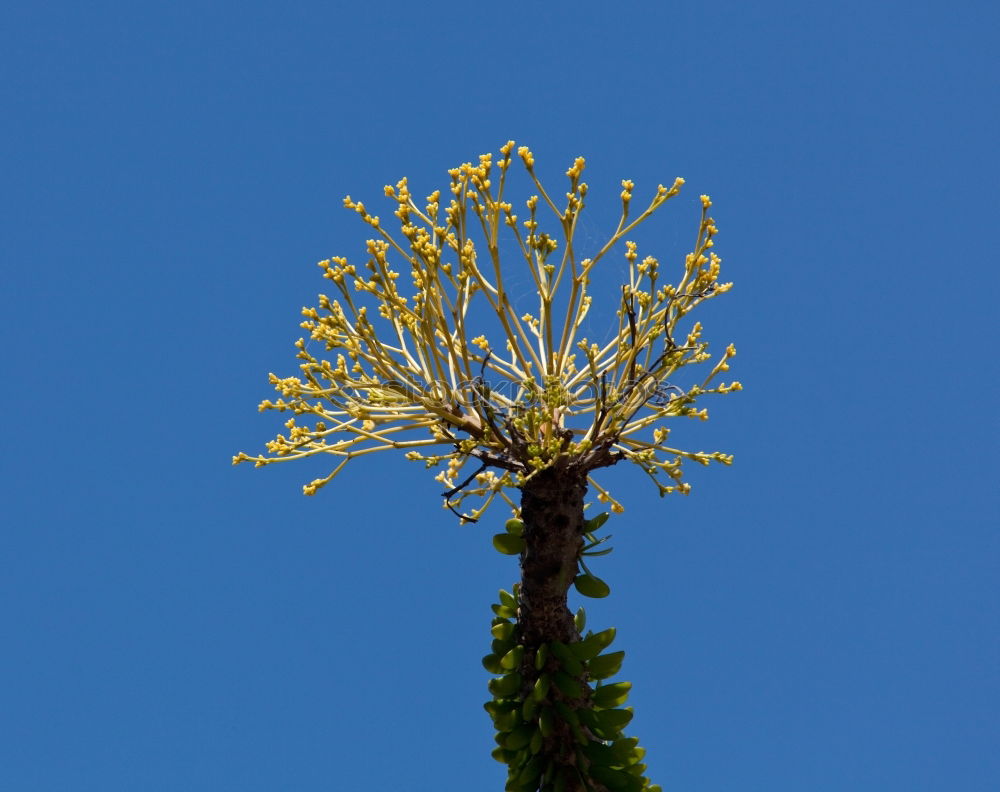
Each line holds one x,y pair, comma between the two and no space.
568,686
613,720
567,660
604,666
505,721
514,527
519,738
503,631
508,600
541,689
591,586
541,655
599,754
546,723
492,663
626,751
612,779
595,523
610,696
493,707
505,686
594,542
580,620
568,714
594,644
502,755
588,718
501,647
508,544
512,659
529,709
532,770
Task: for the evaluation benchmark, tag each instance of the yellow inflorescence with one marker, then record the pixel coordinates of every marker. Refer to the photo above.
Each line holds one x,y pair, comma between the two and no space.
418,373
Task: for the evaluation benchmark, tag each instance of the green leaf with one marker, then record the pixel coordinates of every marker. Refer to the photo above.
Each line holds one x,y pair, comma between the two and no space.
588,718
568,714
514,527
505,721
529,709
505,686
636,770
614,720
594,523
512,659
493,707
519,738
588,549
626,751
612,779
507,600
591,586
568,686
508,544
501,647
546,724
593,645
503,631
580,620
541,689
502,755
604,666
599,754
492,663
532,770
567,660
609,696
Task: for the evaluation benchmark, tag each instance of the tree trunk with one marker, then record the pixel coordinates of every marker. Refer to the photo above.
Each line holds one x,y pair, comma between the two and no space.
552,513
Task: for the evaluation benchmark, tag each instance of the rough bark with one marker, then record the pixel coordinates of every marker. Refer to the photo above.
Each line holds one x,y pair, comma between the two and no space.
552,513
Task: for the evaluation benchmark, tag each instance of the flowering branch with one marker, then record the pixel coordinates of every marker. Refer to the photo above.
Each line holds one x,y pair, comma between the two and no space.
410,374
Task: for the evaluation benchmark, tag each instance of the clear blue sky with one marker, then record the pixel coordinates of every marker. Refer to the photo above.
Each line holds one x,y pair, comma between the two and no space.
822,616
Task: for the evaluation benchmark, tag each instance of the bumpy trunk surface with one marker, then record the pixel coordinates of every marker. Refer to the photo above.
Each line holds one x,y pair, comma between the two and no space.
552,512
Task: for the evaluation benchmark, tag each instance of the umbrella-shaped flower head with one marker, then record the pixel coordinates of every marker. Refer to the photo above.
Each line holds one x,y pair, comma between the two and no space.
490,392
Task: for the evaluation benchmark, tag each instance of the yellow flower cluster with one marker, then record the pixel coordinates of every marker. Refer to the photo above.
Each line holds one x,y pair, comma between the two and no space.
456,368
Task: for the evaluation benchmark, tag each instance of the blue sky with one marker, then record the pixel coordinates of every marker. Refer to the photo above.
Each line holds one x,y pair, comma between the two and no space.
821,616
